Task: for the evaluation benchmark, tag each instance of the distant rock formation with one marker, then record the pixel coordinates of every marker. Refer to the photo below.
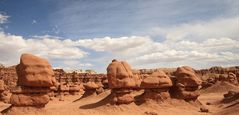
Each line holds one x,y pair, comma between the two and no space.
232,78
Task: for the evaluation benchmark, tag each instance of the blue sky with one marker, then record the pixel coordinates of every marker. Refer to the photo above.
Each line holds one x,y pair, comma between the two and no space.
153,33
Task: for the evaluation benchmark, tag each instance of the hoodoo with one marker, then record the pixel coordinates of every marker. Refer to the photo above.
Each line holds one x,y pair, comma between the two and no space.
187,84
156,86
122,81
35,77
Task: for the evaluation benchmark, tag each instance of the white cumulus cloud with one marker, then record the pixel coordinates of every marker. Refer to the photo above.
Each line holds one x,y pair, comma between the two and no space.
12,46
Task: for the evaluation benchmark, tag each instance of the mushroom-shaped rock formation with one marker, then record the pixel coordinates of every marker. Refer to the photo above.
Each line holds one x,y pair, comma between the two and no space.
34,72
122,81
232,78
156,86
74,89
187,84
63,90
120,75
35,77
90,89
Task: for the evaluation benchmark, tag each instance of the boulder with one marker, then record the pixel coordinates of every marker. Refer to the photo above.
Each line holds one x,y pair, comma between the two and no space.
187,84
230,96
187,76
29,99
232,78
156,86
91,85
34,71
120,75
155,94
157,79
122,96
35,77
122,82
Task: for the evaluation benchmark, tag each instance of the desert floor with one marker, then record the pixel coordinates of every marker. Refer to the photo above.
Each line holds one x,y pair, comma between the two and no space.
98,105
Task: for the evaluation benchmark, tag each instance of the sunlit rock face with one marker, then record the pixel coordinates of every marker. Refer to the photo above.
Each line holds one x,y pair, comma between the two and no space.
157,79
120,75
187,83
122,81
156,86
34,72
35,77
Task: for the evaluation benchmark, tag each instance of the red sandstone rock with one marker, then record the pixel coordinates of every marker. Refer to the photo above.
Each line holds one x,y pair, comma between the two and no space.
187,83
120,75
121,80
157,79
35,77
122,96
156,94
27,90
187,76
232,78
2,86
34,72
156,86
29,99
91,85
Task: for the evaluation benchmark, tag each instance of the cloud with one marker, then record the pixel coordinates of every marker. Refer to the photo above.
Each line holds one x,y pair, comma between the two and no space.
199,44
12,46
34,22
145,52
3,18
199,31
114,45
140,51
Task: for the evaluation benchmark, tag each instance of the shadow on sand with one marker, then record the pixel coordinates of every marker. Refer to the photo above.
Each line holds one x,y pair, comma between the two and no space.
102,102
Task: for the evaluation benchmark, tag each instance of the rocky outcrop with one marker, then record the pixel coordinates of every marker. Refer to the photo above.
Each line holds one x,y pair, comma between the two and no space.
90,89
9,76
75,83
122,81
187,84
232,78
230,96
4,95
156,86
35,77
2,85
120,75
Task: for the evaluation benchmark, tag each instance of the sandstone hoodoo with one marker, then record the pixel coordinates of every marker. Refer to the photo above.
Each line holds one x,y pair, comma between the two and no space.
187,84
232,78
122,81
156,86
35,77
90,88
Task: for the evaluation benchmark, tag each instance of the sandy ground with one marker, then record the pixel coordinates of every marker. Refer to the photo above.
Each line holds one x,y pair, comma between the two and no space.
97,105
